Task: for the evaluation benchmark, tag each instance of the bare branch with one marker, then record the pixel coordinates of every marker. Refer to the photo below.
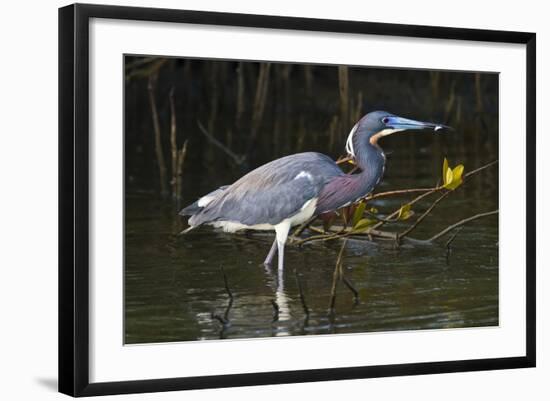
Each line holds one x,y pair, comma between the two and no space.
238,160
338,232
477,170
179,168
352,289
424,215
461,223
399,192
226,283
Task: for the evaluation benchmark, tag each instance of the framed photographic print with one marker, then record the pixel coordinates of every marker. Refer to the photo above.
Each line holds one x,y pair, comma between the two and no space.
251,199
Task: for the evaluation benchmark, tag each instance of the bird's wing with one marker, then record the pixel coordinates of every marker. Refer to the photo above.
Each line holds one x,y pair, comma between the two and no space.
272,192
199,204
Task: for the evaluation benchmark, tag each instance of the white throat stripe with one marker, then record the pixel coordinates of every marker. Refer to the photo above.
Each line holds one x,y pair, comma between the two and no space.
349,141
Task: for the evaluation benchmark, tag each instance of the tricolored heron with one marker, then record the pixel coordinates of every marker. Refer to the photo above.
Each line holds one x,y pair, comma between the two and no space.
289,191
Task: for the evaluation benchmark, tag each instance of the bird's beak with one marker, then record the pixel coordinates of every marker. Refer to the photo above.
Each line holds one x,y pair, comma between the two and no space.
400,123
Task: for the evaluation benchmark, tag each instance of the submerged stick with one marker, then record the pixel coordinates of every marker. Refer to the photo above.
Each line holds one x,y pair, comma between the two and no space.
275,310
449,242
352,289
221,319
336,277
227,289
224,320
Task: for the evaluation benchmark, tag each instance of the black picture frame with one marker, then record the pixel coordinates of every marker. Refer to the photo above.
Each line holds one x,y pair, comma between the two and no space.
74,198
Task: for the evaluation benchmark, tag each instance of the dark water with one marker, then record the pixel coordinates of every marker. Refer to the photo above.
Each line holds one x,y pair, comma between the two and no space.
174,284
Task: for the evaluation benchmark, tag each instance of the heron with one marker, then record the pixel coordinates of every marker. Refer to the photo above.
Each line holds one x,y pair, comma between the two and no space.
293,189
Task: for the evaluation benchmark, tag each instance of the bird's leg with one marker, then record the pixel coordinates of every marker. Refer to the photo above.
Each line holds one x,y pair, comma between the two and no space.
269,258
281,255
281,230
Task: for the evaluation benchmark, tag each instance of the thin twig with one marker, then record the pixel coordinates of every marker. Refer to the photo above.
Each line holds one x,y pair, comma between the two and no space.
226,283
352,289
399,192
449,242
147,71
424,215
303,226
338,232
239,160
323,237
179,171
396,212
460,223
477,170
344,159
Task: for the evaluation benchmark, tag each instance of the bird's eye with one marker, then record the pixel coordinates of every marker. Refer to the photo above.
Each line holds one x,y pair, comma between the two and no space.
385,120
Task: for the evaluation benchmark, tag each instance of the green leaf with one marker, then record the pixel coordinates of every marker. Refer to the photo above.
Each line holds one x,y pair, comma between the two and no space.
405,212
359,210
445,169
457,172
452,178
363,225
457,177
449,176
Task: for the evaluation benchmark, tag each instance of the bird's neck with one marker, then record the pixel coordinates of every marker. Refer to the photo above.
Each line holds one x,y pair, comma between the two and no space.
371,160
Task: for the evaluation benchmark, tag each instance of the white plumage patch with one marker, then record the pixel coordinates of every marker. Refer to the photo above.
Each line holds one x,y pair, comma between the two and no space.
304,174
349,141
205,200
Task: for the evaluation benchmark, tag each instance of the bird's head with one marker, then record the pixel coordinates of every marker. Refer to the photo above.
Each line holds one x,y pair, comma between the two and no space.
378,124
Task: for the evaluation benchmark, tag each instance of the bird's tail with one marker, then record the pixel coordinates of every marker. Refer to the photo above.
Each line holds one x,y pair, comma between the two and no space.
187,230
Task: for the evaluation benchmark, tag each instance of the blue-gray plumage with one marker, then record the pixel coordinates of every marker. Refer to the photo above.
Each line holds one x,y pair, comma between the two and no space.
290,190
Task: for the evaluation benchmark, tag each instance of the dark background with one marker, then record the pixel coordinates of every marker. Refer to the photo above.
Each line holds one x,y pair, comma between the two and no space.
252,113
300,108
